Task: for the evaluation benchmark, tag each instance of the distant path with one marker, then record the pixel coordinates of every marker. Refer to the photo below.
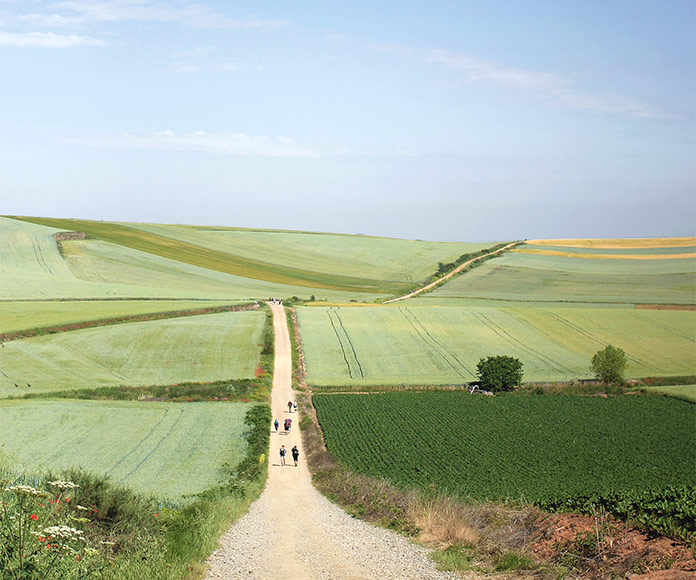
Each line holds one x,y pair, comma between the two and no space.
447,276
292,532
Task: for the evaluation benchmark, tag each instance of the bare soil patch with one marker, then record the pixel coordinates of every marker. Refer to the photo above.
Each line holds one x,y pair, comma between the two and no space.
601,547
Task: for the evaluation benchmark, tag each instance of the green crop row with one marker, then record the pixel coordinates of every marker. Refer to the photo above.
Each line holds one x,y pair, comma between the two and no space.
533,448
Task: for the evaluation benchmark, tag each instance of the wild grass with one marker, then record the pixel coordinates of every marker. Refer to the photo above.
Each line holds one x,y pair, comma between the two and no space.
133,536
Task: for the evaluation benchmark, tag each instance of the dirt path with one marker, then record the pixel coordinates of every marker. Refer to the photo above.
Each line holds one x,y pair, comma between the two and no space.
292,532
447,276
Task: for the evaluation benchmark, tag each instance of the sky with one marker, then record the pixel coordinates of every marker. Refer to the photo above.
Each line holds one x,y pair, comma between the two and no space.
446,120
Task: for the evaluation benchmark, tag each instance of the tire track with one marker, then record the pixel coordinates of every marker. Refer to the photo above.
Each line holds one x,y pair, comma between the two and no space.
519,344
602,343
434,346
437,342
672,330
350,342
135,448
155,448
338,338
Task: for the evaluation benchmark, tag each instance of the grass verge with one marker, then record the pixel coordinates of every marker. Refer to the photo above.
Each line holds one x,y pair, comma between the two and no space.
85,526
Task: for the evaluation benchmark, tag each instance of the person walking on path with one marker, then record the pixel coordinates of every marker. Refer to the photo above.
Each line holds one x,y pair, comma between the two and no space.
289,406
294,406
295,454
282,454
275,424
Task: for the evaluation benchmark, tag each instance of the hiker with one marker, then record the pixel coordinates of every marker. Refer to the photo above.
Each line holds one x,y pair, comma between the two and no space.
294,406
289,406
282,454
289,424
286,425
295,454
275,424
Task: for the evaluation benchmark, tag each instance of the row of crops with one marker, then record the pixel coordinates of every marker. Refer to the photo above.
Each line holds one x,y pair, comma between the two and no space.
540,448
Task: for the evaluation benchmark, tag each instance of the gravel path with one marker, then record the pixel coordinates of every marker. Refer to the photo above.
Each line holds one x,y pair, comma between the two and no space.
292,532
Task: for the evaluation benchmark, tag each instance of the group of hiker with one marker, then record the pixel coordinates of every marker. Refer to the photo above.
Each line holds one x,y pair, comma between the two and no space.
276,300
295,454
287,424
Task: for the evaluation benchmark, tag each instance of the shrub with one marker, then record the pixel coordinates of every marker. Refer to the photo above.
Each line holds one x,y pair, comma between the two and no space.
609,364
499,373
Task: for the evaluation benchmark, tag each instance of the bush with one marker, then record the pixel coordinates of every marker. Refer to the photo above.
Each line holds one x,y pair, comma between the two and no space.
499,373
609,364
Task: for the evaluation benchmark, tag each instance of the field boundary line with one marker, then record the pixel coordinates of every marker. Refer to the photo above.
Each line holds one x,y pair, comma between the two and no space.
450,274
146,317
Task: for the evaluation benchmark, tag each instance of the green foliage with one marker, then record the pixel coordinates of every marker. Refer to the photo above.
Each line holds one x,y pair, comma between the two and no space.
499,373
543,447
609,364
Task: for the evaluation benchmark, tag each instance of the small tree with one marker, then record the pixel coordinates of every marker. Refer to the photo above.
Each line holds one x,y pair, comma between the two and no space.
499,373
609,364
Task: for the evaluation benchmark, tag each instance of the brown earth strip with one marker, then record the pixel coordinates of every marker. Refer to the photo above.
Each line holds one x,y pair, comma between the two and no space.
665,306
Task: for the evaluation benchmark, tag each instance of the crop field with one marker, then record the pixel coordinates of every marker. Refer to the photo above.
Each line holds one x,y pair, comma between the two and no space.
19,315
536,447
385,259
193,349
221,254
440,345
32,268
164,449
684,392
533,277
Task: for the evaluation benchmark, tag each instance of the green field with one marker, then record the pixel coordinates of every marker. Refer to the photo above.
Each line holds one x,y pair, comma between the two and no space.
193,349
533,447
684,392
526,277
357,264
32,268
19,315
163,449
414,345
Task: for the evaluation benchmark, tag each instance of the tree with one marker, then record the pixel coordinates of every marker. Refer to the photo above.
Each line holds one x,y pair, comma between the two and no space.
499,373
609,364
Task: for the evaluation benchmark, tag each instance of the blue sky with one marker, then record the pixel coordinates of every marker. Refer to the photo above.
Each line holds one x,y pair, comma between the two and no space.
448,121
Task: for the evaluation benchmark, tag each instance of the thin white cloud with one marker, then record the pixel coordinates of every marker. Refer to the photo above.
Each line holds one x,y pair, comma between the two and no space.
46,40
235,144
555,89
184,13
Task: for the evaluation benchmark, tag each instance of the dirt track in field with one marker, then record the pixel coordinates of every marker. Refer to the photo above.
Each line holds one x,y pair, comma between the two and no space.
292,532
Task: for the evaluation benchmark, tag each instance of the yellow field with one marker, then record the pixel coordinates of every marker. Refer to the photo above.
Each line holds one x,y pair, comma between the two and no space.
605,256
617,243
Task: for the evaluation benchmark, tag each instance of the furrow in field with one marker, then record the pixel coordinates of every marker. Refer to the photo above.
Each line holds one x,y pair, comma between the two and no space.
155,448
438,343
434,346
518,343
690,338
139,443
350,342
338,338
602,343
